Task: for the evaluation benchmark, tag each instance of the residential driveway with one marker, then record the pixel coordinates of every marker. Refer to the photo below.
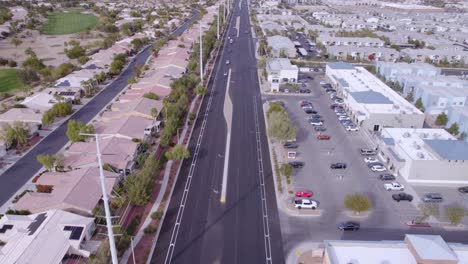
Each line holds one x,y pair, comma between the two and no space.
387,218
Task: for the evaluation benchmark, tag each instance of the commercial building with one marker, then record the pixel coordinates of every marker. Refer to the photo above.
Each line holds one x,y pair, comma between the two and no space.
415,249
49,237
391,71
279,71
424,155
281,46
370,102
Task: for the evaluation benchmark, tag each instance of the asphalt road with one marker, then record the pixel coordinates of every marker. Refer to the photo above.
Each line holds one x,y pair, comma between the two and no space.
206,230
25,168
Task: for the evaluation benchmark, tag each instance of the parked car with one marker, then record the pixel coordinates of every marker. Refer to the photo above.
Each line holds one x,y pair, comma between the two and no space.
322,83
305,103
371,160
305,90
290,145
296,164
372,164
305,203
349,226
323,137
352,128
343,117
304,194
341,113
333,106
394,186
387,177
320,128
368,151
310,111
338,165
402,197
378,168
432,198
316,123
463,190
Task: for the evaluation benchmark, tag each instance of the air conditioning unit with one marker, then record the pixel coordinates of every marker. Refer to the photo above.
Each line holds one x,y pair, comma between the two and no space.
406,135
420,155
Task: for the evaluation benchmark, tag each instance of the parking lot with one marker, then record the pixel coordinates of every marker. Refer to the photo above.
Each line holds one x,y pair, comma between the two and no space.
330,186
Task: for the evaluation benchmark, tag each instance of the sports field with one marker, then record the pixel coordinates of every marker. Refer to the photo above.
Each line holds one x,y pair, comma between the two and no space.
68,22
9,80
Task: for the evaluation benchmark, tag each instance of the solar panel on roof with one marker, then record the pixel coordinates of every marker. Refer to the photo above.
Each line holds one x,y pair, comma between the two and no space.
36,223
75,231
5,228
66,93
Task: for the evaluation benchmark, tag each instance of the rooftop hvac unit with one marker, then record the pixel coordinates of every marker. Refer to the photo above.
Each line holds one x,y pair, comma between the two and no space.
396,106
424,135
406,135
436,135
416,146
420,155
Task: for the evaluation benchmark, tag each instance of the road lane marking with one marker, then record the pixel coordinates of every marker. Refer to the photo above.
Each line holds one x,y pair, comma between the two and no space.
266,227
228,108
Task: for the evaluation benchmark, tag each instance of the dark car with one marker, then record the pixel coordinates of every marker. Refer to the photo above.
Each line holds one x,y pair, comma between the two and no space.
305,103
310,111
463,190
296,164
402,197
304,91
333,106
338,165
349,226
320,128
310,77
387,177
290,145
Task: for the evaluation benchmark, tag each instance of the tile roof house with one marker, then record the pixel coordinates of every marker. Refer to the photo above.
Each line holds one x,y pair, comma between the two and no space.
143,86
76,191
139,107
45,238
128,127
32,118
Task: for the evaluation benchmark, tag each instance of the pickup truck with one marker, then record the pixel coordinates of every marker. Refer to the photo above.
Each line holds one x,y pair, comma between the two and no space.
305,203
394,186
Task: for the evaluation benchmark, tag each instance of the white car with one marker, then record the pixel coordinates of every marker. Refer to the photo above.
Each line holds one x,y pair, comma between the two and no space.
338,102
227,62
378,168
341,114
394,186
332,95
371,160
352,128
322,83
316,123
343,117
305,203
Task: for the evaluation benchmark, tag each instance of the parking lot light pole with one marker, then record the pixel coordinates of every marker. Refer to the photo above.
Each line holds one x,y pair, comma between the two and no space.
105,199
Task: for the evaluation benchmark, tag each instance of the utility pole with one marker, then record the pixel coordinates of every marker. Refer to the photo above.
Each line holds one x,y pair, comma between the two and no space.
218,22
201,50
105,199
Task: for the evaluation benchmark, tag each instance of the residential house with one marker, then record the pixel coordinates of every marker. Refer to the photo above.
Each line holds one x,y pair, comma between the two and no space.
129,127
32,118
39,102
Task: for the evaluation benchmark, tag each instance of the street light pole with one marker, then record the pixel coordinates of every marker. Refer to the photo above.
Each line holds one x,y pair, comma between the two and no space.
201,50
218,23
105,199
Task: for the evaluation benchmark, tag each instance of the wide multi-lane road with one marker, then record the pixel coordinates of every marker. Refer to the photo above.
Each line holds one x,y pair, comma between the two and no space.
198,227
23,170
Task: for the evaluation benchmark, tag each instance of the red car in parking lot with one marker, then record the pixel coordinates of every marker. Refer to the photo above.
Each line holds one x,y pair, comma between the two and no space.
323,137
304,194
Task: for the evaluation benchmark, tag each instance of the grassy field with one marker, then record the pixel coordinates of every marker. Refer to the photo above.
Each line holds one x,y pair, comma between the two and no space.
68,22
9,80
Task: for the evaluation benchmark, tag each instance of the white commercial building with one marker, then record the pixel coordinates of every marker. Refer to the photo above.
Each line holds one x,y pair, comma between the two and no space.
392,71
424,155
415,249
281,71
281,46
370,102
45,238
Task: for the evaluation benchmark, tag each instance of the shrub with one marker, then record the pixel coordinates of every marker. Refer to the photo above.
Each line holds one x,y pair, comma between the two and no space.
12,63
150,229
357,202
44,188
157,215
151,96
455,214
18,212
133,225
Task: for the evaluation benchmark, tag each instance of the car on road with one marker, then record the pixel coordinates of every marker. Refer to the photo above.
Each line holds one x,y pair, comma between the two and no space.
371,160
387,177
310,111
323,137
304,194
296,164
305,203
338,165
290,145
352,128
402,197
394,186
368,151
322,83
463,190
227,62
349,226
320,128
225,73
316,122
432,198
343,117
305,90
316,116
378,168
372,164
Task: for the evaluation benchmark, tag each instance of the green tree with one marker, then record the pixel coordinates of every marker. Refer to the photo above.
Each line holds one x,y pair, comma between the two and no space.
75,51
280,127
453,129
462,136
16,42
46,160
154,112
201,90
410,97
14,135
138,187
427,210
178,152
74,128
286,170
275,107
151,95
61,109
131,80
59,161
48,118
357,202
25,89
419,104
441,119
455,214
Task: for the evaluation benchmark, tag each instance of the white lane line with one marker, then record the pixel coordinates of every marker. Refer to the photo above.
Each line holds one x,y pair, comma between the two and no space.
228,116
180,212
266,227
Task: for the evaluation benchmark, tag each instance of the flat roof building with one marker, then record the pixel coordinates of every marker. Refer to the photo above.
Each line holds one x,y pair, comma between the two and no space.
424,155
370,102
281,45
391,71
280,70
